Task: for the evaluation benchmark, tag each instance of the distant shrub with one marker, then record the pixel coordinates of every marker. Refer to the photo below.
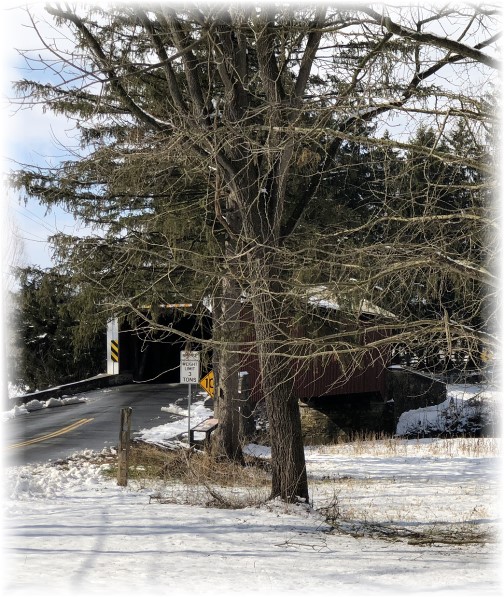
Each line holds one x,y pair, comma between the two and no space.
474,416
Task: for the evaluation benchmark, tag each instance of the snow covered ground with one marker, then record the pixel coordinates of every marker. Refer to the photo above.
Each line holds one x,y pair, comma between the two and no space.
71,530
466,409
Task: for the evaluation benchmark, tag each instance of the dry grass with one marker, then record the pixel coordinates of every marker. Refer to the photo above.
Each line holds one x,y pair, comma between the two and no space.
193,477
383,445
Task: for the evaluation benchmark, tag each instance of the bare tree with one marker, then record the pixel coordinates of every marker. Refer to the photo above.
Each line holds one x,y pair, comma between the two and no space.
264,103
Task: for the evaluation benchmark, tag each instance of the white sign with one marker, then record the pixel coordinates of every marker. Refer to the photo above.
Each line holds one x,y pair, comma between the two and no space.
189,367
189,355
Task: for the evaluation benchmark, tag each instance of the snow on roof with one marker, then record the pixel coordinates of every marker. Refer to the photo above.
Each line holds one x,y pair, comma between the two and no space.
324,297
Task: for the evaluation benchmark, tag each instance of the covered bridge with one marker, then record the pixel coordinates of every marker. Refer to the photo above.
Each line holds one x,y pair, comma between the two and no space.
370,398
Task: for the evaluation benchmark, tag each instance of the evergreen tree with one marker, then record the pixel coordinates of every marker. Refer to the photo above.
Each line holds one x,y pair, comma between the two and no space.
443,217
46,326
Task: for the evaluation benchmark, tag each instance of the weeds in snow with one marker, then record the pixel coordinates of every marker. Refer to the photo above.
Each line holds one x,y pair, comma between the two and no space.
190,477
428,535
380,445
416,508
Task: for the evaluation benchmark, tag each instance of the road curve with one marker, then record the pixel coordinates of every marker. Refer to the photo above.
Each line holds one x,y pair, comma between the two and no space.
54,433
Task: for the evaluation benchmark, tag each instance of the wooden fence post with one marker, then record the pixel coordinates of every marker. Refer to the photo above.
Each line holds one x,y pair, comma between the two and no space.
123,451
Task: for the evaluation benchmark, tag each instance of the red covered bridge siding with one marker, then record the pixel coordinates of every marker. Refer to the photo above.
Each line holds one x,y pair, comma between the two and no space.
356,402
315,379
323,376
369,398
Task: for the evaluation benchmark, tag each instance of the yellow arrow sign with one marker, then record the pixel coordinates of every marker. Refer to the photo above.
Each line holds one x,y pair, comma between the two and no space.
207,383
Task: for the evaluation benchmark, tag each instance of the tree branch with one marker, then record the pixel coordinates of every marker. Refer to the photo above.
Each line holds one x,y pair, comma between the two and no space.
431,39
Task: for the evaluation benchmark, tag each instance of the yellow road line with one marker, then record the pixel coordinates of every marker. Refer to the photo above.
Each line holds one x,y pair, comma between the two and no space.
42,438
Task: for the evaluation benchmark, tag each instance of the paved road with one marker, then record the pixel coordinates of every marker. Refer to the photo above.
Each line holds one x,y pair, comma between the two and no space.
54,433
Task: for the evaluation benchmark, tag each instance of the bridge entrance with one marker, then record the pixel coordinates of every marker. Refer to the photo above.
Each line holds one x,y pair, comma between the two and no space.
153,356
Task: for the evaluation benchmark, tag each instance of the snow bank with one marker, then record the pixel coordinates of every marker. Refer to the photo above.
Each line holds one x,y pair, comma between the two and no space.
35,405
467,409
165,435
50,481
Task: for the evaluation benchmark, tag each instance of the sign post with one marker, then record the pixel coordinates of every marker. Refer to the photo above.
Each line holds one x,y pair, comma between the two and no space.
189,374
123,452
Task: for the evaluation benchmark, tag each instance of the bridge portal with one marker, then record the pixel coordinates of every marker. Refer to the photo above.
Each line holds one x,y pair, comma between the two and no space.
153,355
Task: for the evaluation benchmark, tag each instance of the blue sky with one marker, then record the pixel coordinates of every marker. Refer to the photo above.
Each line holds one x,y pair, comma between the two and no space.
28,136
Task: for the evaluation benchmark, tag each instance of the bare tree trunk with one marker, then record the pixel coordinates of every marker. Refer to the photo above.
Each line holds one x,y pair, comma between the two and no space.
226,439
289,481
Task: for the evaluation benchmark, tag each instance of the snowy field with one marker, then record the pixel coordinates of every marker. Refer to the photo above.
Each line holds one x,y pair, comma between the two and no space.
414,516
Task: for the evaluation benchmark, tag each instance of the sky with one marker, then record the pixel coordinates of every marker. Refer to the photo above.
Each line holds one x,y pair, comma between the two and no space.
70,530
28,136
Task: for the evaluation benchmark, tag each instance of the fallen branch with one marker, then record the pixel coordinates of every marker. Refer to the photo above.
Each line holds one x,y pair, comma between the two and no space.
459,536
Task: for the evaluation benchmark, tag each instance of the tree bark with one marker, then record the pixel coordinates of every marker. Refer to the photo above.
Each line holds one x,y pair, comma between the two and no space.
289,478
226,439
